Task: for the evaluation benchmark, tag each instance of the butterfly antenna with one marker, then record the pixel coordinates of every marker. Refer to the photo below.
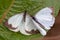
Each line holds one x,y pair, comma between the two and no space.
37,21
24,16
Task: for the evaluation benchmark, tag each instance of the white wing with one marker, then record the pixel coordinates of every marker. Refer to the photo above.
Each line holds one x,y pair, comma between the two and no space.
41,30
14,20
17,22
22,28
29,25
45,18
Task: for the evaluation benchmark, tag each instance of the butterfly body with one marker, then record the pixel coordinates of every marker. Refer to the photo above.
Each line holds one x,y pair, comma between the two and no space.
25,23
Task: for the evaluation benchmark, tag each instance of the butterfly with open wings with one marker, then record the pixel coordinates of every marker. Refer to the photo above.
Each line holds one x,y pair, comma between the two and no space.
28,25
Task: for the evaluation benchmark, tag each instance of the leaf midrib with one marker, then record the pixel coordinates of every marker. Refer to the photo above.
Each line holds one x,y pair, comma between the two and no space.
6,11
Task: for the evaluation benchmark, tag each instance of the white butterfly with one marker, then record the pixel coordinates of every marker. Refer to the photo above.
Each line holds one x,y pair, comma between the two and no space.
25,23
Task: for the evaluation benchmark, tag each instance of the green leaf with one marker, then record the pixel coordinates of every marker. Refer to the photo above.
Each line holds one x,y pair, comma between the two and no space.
12,7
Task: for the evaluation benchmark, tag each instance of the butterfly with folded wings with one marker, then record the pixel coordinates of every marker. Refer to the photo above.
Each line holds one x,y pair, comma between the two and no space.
28,24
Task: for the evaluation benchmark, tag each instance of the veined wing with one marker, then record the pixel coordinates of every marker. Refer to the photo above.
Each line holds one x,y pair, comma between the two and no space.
45,17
